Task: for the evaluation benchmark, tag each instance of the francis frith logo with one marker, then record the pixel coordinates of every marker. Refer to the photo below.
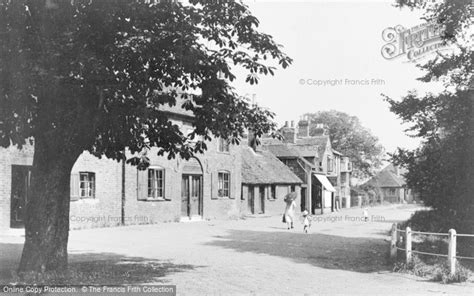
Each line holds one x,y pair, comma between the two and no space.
413,43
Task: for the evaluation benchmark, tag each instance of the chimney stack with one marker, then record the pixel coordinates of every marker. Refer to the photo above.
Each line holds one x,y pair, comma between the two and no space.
289,133
303,129
252,140
321,130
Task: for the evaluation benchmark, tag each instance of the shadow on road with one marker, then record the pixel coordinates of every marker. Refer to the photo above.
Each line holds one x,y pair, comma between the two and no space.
321,250
95,268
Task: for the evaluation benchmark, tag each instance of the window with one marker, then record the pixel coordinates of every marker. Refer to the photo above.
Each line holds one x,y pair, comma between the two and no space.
156,183
330,164
86,185
223,145
273,192
391,191
223,189
292,188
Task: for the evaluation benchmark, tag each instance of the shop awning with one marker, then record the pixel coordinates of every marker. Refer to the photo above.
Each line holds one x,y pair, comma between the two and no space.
325,182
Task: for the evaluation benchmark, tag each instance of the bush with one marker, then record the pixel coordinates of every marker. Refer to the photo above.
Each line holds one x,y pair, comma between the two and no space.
416,267
442,274
429,221
438,272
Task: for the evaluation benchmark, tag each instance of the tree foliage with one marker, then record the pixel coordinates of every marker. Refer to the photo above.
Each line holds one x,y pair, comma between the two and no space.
97,75
349,137
97,72
442,169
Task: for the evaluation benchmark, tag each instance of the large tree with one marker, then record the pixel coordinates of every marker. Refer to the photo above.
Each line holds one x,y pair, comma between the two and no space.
349,137
91,75
442,169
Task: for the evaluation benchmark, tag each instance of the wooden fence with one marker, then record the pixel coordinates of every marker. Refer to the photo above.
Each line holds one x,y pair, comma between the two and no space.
451,256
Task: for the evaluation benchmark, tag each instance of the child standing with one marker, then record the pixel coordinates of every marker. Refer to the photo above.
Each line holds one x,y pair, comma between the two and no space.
306,221
366,214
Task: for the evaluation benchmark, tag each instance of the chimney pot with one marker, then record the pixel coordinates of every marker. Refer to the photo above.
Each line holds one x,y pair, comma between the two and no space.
292,123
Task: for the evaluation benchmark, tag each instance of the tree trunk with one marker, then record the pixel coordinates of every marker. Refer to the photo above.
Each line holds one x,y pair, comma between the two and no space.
47,219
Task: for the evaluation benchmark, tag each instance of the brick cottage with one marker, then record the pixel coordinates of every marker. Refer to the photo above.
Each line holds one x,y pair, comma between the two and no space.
109,193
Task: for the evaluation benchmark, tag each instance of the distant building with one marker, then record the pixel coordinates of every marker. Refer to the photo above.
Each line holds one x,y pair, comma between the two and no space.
389,185
325,172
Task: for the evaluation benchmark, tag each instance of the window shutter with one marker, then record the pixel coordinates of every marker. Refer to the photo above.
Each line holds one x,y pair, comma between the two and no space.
74,187
142,184
231,191
166,185
214,186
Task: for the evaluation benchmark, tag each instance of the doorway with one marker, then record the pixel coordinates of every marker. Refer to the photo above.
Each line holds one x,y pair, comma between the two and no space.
261,194
251,200
316,198
191,195
303,199
21,180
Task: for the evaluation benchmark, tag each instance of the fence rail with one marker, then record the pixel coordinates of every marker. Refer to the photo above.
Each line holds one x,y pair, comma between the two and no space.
430,233
396,233
465,235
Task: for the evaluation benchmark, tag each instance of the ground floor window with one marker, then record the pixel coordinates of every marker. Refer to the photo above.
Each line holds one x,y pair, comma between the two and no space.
156,183
272,192
86,185
223,189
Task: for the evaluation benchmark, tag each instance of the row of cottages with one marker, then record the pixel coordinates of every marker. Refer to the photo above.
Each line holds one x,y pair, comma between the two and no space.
325,172
227,181
389,185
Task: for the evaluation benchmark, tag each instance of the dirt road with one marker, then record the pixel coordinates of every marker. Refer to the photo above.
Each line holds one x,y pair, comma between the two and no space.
256,256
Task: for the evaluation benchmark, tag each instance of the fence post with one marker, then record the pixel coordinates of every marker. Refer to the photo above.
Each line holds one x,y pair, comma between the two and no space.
452,252
408,245
393,243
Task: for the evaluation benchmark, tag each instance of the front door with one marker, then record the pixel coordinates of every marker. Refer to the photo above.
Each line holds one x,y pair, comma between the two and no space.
191,195
21,177
262,199
303,199
251,200
316,198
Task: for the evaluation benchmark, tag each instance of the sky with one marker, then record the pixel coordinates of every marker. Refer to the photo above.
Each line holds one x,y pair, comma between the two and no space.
339,41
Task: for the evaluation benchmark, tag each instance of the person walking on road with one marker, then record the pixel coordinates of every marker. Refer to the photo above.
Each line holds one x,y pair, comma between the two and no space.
290,209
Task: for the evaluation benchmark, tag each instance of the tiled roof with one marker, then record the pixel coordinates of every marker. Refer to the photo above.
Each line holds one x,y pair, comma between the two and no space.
270,141
304,147
316,140
283,150
308,150
262,167
386,178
